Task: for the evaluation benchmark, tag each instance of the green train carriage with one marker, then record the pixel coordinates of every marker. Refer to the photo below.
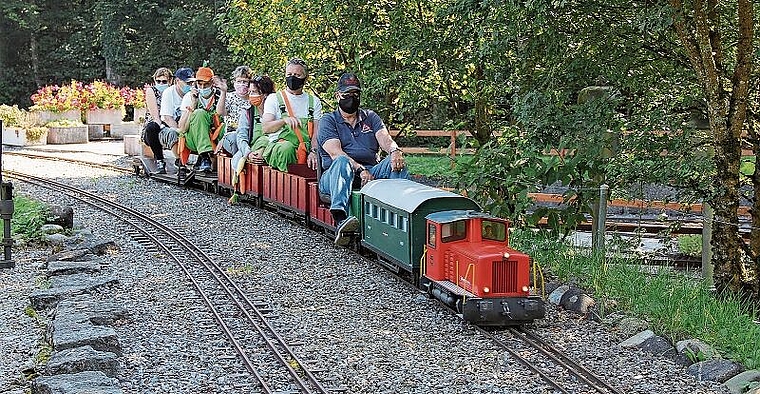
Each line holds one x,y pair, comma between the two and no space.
393,215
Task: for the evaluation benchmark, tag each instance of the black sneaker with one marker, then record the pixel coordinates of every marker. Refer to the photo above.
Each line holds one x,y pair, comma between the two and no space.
345,229
205,165
160,167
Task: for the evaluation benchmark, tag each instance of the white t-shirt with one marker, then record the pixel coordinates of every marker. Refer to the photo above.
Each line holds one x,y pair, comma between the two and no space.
171,103
300,105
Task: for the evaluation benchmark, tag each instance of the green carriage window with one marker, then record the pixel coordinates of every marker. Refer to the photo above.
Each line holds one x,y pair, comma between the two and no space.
453,231
392,219
367,208
404,224
375,211
383,215
496,231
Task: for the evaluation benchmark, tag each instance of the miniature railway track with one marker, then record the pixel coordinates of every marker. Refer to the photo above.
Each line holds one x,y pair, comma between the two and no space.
573,368
103,166
227,302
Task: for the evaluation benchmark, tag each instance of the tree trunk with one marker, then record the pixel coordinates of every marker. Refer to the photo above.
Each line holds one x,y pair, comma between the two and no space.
727,244
35,58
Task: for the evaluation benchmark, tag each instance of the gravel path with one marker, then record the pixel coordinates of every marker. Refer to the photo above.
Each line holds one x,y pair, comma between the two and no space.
371,332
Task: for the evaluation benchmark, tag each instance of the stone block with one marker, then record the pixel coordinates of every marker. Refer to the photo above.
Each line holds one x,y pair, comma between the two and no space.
104,116
68,135
133,146
128,128
56,268
67,286
90,382
740,382
95,131
716,370
81,359
69,335
87,310
14,136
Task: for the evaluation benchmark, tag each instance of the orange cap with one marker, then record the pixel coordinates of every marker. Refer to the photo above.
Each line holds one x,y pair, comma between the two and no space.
204,74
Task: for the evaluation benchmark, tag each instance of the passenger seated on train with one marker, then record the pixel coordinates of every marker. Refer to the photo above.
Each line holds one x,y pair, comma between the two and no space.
170,110
152,125
235,105
200,126
250,140
350,139
289,120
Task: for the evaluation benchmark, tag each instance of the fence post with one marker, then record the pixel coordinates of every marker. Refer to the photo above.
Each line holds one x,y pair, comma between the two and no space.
707,267
453,148
597,237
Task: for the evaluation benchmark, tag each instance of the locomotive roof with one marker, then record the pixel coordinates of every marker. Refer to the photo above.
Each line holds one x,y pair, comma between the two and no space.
406,195
458,214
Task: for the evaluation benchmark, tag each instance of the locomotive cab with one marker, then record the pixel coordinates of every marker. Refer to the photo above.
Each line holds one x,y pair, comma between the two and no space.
470,266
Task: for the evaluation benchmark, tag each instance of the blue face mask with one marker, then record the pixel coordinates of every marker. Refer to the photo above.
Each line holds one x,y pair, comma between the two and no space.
185,89
205,92
161,87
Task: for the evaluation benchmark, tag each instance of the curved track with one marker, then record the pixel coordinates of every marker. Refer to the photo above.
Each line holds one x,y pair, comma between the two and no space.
219,292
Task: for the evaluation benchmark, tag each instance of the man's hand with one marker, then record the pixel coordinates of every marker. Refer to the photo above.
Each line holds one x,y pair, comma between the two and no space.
366,176
397,160
294,123
219,83
312,161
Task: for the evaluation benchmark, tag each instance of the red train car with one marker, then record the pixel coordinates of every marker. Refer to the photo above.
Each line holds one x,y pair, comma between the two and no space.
471,268
250,184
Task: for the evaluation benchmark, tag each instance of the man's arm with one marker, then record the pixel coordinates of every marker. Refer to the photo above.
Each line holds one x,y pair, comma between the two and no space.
389,146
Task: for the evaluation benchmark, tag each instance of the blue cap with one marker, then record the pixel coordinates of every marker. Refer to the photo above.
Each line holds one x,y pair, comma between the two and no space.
185,74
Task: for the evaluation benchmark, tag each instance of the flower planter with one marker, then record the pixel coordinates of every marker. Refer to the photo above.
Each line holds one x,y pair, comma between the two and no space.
67,135
139,115
104,116
49,116
13,136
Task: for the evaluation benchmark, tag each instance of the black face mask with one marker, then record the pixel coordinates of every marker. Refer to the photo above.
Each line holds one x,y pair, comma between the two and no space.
349,105
295,83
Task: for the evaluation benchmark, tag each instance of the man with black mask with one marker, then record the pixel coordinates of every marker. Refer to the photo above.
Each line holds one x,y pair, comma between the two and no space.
350,139
290,120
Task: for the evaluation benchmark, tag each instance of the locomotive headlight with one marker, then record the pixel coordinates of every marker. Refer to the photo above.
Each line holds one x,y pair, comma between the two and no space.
506,255
525,289
486,290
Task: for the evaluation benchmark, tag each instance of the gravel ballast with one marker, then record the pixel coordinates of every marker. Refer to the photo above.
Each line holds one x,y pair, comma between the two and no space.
371,332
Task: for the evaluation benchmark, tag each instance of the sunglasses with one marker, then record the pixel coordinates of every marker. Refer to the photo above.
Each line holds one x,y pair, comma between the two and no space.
162,81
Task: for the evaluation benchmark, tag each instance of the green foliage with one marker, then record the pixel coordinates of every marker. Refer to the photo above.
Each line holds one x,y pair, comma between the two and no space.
690,245
12,116
677,306
64,123
28,217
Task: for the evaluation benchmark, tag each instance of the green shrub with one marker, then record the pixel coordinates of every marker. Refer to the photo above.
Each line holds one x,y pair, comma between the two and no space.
690,245
64,123
12,116
28,217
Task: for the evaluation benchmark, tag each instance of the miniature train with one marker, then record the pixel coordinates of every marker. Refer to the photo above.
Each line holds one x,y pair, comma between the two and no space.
451,250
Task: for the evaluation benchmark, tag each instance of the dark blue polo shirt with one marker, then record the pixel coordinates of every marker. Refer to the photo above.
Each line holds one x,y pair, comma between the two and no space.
358,142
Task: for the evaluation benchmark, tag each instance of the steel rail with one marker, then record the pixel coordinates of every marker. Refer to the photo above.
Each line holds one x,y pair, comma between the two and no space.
210,265
559,356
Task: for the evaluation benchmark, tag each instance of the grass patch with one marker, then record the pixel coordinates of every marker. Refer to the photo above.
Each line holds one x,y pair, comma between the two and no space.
690,245
677,307
28,217
434,166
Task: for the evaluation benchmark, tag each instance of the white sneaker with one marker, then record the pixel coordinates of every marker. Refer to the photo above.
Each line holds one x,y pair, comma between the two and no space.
345,229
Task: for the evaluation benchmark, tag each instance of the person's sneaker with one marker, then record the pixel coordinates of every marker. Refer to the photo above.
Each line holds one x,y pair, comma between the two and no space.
345,229
205,165
160,167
